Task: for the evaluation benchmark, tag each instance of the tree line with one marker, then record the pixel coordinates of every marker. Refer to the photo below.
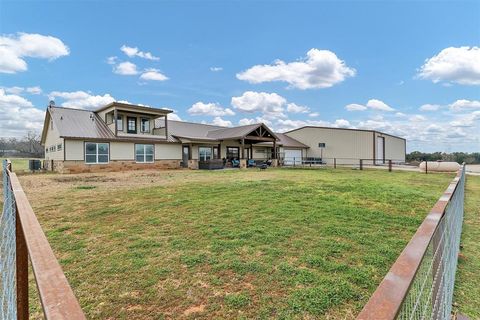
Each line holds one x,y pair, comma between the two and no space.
459,157
28,147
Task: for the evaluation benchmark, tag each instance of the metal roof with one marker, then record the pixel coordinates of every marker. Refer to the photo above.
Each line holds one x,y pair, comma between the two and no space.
84,124
76,123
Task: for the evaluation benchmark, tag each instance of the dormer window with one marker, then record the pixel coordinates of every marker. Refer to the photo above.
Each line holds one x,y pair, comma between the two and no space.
131,125
145,125
120,123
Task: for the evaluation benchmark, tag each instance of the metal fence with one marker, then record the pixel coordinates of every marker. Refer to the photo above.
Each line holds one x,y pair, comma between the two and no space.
314,162
22,238
420,283
8,293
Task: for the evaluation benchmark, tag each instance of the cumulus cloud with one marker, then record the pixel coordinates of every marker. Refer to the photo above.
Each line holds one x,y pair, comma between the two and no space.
81,99
15,48
210,109
373,104
19,90
429,107
153,75
461,105
18,115
174,116
295,108
135,52
220,122
216,69
125,69
319,69
270,104
112,60
453,65
355,107
417,118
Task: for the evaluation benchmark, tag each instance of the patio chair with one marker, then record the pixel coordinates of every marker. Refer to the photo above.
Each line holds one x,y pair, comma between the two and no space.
235,163
251,163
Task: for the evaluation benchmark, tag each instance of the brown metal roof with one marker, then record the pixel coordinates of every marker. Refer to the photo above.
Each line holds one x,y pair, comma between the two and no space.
76,123
134,107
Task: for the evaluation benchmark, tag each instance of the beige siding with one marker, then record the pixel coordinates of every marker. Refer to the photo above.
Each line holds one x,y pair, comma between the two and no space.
340,144
53,141
394,147
168,151
122,151
74,150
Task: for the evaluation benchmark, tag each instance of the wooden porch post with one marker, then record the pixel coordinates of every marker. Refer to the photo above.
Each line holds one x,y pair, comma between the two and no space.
242,149
115,116
274,149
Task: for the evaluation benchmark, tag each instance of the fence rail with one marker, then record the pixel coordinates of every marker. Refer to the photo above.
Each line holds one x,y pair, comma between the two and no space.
420,283
314,162
22,238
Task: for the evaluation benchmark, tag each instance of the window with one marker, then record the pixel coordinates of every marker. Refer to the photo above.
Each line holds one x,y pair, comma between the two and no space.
205,153
46,150
145,125
96,152
131,125
59,147
215,153
233,153
144,153
120,123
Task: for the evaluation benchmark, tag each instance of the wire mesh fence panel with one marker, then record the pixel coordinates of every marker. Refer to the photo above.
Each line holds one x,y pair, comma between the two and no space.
8,294
431,292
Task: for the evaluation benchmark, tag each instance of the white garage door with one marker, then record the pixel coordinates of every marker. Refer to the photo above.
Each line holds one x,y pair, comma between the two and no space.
292,157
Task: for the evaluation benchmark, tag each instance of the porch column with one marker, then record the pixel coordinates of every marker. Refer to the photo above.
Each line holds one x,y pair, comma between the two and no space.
220,151
242,149
274,149
115,115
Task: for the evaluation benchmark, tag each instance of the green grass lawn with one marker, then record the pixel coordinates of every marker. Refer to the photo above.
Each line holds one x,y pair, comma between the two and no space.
18,164
286,244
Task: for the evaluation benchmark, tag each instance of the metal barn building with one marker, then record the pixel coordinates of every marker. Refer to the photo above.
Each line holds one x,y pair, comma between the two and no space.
349,145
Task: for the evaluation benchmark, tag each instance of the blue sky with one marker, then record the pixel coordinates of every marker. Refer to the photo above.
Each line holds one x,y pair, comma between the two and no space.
349,64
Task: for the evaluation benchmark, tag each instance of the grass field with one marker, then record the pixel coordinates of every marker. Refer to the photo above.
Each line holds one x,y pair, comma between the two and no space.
18,164
288,244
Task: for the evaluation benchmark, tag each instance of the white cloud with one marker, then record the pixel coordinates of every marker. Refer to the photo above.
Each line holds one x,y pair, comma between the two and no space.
270,104
246,121
373,104
220,122
174,116
19,90
153,75
126,69
429,107
18,115
112,60
355,107
342,123
14,48
379,105
320,69
211,109
313,114
216,69
295,108
400,115
81,99
417,118
461,105
134,52
453,65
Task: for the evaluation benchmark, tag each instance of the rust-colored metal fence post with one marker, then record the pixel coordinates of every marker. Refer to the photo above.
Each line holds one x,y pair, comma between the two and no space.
22,271
334,163
390,165
361,164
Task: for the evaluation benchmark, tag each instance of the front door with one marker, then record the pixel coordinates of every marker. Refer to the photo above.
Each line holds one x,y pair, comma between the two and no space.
185,156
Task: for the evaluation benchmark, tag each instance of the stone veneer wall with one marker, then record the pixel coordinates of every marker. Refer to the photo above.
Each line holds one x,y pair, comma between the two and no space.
71,166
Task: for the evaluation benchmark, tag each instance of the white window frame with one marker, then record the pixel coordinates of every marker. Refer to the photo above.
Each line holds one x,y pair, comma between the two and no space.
119,122
142,122
96,153
145,153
